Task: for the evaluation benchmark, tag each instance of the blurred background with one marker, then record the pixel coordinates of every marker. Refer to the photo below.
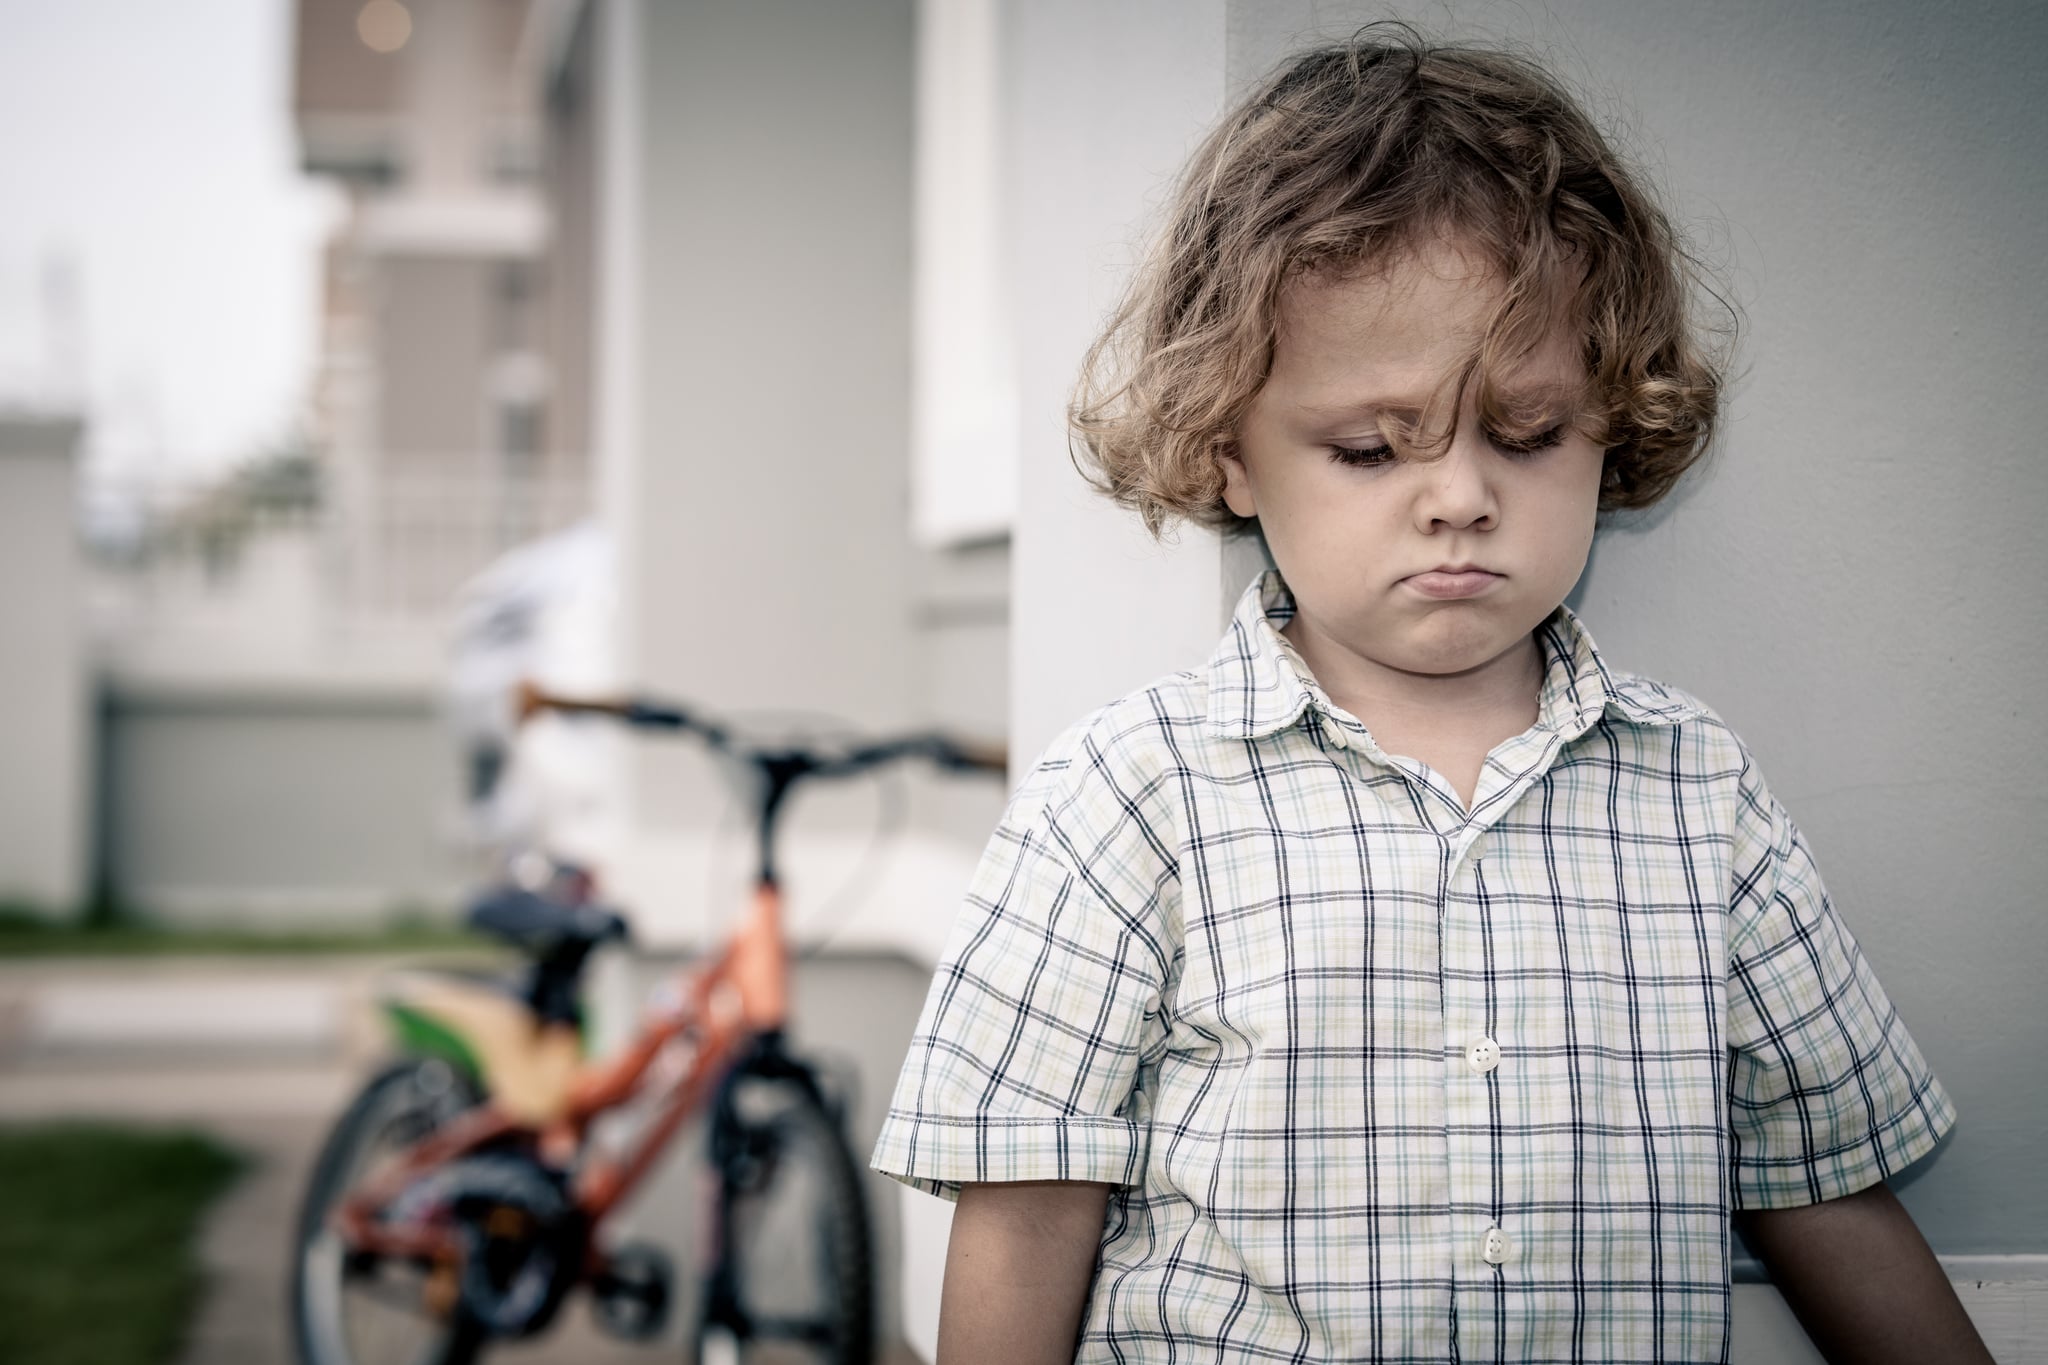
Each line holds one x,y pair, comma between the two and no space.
358,357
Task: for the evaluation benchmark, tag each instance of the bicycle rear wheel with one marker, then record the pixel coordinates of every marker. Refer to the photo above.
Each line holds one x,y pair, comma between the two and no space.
794,1283
349,1311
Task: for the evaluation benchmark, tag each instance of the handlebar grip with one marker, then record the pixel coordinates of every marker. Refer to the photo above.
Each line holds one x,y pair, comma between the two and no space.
530,699
986,756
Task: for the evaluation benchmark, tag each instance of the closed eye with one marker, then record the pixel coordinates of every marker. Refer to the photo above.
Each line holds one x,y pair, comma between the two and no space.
1371,457
1361,457
1531,445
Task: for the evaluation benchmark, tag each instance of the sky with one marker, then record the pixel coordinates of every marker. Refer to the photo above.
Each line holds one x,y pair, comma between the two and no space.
147,157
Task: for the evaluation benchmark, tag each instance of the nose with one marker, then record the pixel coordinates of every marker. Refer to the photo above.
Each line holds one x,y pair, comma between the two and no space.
1457,490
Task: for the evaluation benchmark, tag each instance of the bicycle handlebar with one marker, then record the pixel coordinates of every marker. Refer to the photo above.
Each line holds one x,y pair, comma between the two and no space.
640,713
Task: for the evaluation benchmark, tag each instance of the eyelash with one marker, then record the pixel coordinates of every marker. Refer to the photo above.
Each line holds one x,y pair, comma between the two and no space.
1371,457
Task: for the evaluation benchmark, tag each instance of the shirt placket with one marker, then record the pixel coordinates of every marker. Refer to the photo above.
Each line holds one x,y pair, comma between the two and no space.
1480,1244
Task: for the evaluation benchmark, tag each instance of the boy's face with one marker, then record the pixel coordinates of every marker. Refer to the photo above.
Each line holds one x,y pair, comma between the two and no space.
1353,527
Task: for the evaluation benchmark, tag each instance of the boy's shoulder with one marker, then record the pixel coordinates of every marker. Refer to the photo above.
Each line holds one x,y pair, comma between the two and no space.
1651,702
1648,701
1125,744
1712,744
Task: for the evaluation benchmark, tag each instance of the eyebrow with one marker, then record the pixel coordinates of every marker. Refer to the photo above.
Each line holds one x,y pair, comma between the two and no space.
1364,407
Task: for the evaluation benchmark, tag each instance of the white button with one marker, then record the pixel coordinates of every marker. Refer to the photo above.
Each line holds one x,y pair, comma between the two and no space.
1496,1249
1483,1056
1334,732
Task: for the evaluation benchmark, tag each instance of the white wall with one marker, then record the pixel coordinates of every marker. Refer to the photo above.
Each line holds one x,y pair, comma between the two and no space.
44,742
771,554
963,387
1101,104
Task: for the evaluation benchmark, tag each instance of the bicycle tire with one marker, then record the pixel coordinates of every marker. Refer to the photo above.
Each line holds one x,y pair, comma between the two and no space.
396,1106
795,1281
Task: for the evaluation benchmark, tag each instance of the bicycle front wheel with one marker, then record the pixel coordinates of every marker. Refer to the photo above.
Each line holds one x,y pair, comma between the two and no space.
349,1310
793,1279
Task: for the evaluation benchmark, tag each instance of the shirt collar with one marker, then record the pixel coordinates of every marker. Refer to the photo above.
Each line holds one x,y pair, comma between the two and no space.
1258,684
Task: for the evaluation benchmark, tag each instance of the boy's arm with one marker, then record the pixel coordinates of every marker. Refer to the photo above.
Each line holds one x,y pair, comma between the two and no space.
1017,1271
1862,1281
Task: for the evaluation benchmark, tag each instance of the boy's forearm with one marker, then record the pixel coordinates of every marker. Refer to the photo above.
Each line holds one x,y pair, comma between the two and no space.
1863,1282
1018,1266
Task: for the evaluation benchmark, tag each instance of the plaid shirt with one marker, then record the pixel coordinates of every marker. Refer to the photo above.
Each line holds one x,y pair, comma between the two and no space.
1379,1078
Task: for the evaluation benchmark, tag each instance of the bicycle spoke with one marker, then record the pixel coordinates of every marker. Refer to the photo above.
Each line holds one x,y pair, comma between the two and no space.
374,1311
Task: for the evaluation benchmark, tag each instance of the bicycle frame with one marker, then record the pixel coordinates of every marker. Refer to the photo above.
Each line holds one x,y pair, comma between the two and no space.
739,996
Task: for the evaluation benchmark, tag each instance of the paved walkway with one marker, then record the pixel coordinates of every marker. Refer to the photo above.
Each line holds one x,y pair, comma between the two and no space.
263,1054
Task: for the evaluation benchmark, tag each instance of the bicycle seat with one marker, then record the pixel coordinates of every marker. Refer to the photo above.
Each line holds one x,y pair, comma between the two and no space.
536,925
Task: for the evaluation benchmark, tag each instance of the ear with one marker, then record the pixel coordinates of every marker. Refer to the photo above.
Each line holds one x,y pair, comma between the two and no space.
1237,483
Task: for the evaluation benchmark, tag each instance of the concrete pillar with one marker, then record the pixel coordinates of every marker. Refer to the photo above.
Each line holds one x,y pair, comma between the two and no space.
753,409
1101,104
45,739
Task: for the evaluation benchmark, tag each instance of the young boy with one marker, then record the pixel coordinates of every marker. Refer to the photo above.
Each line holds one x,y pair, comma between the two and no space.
1406,984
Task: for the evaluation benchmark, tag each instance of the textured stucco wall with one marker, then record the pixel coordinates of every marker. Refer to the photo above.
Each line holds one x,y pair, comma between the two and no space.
1854,583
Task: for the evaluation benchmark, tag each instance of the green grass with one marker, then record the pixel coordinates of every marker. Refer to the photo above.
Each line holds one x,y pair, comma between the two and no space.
98,1241
25,934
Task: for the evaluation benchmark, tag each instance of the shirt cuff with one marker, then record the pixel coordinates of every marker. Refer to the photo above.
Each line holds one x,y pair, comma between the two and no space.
1802,1178
939,1154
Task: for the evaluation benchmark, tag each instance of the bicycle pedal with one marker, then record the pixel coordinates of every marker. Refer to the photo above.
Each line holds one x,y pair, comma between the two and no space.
631,1296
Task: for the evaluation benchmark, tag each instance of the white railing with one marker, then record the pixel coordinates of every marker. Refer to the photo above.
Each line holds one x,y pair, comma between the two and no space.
402,546
377,545
255,575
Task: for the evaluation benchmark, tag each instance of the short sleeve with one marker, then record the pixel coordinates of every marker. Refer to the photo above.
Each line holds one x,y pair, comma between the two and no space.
1047,996
1827,1092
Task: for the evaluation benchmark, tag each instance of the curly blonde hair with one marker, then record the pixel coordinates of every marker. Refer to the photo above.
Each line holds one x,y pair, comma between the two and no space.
1350,153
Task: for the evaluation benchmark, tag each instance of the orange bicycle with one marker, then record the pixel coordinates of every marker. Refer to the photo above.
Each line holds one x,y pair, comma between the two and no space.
462,1196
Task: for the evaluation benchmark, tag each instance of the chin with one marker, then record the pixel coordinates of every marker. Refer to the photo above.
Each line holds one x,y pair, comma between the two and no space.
1461,648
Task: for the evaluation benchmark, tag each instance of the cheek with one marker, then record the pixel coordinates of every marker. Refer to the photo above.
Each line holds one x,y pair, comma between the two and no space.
1327,506
1564,500
1577,500
1575,482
